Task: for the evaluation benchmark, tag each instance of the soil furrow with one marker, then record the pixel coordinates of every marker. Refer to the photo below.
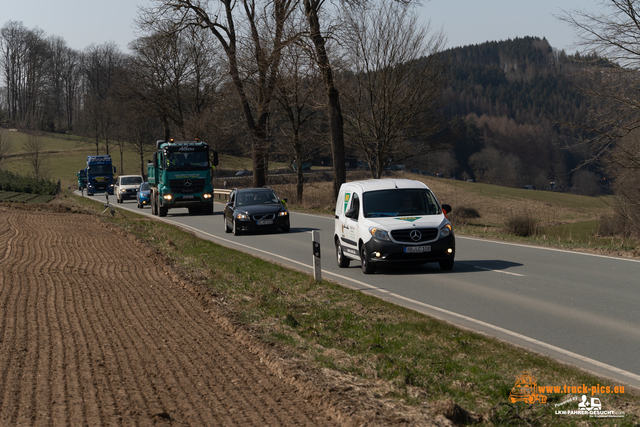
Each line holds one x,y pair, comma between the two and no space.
96,332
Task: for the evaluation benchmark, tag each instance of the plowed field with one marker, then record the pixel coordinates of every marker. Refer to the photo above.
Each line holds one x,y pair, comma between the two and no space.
96,330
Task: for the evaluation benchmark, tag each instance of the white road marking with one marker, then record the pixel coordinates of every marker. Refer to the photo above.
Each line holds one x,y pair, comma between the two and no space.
498,271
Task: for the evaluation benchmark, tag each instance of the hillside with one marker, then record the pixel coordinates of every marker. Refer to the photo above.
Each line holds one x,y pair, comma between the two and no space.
512,104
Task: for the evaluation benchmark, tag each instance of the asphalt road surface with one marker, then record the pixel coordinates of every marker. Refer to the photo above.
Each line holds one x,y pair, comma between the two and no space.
579,308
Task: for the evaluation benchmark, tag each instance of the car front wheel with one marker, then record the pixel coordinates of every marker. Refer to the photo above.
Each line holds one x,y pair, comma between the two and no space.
236,229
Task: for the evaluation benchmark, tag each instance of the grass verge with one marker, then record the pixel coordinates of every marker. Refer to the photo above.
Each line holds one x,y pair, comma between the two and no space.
397,353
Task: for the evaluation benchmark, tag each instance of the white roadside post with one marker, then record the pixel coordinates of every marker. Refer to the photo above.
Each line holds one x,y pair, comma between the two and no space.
315,239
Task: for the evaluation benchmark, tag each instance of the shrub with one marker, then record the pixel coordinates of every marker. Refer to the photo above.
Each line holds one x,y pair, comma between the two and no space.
461,215
24,184
613,225
522,224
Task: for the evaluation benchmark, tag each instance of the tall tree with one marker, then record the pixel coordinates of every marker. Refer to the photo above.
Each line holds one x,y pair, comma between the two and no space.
393,95
612,33
24,54
298,90
313,10
103,71
261,25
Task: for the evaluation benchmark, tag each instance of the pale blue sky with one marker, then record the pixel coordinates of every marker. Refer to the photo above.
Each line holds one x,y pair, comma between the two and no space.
85,22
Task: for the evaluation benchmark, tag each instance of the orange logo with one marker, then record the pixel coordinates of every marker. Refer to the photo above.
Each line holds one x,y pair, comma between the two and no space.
526,390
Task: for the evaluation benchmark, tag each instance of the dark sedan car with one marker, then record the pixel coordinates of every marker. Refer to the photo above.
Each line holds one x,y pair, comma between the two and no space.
255,209
144,195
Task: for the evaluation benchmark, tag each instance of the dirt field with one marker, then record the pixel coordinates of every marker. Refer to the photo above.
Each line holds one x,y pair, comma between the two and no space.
96,330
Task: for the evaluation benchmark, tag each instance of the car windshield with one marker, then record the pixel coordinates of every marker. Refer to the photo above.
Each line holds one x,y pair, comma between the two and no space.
400,202
144,186
249,198
131,180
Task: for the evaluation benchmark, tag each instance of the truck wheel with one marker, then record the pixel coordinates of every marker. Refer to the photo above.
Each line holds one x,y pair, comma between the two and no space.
162,210
367,266
343,261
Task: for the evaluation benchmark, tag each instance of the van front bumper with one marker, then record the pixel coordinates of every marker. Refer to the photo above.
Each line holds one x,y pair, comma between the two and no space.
379,251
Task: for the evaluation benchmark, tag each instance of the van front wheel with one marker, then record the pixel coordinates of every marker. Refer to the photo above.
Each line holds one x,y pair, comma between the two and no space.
367,266
343,261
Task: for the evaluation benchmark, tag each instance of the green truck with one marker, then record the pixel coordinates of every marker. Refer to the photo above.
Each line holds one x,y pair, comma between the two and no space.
180,176
82,179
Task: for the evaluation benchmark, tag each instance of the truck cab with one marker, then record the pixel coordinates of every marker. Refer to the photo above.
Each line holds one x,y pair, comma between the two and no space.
99,173
179,176
391,221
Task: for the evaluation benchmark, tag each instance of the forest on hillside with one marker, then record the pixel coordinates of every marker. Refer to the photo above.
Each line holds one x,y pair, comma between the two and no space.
515,108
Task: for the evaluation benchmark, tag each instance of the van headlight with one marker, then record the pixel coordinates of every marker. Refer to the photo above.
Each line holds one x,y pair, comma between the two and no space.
445,231
379,234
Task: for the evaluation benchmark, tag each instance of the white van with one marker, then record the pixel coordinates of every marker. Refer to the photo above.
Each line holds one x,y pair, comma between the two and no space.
391,221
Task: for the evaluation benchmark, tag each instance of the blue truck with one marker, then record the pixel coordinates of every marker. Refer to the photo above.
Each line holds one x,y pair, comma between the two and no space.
99,173
180,176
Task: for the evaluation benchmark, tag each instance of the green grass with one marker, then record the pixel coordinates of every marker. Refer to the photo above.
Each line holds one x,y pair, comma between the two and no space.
66,154
396,353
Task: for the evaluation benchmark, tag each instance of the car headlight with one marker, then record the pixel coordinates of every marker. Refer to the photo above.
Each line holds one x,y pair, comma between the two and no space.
242,215
379,234
445,231
283,213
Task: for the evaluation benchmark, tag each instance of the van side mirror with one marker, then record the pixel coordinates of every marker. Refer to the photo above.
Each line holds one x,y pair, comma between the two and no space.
350,213
446,208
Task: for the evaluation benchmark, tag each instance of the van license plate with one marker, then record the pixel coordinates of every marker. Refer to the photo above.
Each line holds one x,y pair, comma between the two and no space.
416,249
265,222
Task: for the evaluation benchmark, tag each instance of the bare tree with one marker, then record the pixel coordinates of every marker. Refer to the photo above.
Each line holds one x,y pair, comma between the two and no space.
24,54
298,90
313,9
34,151
232,23
392,97
102,69
177,77
609,40
492,166
6,144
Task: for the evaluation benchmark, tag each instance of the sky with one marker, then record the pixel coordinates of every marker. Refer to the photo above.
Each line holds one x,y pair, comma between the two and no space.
82,23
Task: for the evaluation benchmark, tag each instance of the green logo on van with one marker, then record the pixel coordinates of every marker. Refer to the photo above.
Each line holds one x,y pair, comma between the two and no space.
409,218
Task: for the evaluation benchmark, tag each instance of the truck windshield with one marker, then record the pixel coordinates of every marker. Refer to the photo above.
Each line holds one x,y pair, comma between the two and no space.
399,202
187,160
100,170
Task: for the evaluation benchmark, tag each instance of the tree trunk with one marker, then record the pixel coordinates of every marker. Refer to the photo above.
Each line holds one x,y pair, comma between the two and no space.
335,112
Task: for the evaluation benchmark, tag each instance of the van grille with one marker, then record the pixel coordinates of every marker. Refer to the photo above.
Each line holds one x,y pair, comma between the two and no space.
404,236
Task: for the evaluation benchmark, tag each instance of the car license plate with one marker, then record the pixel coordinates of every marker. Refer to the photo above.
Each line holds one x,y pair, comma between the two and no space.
265,222
187,197
416,249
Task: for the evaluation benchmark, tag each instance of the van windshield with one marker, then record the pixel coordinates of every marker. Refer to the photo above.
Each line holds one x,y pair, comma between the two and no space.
396,202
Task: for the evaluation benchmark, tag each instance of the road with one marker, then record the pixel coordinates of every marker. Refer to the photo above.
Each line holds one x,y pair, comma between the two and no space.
579,308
